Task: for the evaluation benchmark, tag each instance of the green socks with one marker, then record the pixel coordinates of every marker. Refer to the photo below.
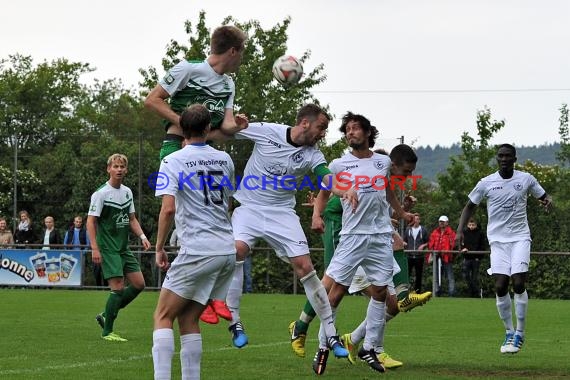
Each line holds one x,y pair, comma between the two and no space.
111,310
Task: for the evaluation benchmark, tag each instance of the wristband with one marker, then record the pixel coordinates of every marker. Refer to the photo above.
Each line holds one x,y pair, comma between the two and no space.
142,236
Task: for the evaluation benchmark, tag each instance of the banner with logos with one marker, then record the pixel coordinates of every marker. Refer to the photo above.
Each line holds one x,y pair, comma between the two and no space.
40,267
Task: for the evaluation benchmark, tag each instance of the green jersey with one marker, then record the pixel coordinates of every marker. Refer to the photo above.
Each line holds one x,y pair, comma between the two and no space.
113,208
197,83
333,210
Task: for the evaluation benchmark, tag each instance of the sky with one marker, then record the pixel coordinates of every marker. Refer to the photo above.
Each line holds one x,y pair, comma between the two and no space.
419,69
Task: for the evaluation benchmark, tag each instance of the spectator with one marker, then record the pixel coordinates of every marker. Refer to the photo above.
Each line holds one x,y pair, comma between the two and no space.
51,236
443,239
416,238
5,233
473,240
24,233
76,236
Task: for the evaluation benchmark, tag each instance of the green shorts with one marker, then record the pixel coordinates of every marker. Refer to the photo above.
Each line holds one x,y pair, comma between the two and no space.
331,237
169,146
117,265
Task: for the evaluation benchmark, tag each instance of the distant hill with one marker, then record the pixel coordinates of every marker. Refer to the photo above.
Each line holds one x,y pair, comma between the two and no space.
432,161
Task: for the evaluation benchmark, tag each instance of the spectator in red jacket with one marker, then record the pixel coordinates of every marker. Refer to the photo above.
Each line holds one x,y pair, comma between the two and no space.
443,239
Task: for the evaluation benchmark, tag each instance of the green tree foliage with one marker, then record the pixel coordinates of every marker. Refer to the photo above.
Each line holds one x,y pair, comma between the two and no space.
65,131
28,185
465,170
564,154
36,102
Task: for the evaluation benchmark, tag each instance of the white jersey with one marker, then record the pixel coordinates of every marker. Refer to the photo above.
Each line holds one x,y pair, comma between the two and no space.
201,179
276,167
372,214
506,204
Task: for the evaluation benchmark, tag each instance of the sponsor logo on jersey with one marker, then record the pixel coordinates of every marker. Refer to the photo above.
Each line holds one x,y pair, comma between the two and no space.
275,144
93,208
508,206
298,157
348,167
214,106
276,169
122,220
496,188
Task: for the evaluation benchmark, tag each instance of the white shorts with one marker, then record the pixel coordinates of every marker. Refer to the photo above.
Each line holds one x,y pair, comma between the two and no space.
200,278
279,227
372,252
360,281
509,258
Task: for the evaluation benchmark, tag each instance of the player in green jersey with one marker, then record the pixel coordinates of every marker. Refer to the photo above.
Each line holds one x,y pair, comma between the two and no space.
111,216
200,82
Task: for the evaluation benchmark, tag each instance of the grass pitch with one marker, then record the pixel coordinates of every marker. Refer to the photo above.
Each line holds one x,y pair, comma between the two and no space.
52,334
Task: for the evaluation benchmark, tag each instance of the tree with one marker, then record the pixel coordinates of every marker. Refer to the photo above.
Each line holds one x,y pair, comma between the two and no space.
35,102
469,167
564,154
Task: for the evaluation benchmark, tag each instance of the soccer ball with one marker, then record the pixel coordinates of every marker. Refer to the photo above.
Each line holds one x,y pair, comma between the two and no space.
288,70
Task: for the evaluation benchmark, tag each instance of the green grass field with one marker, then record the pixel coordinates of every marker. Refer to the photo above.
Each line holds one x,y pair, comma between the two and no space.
52,334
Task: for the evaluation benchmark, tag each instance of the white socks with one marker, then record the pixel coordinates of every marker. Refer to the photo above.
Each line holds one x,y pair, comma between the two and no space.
235,291
358,334
162,351
505,313
521,306
375,321
190,356
317,296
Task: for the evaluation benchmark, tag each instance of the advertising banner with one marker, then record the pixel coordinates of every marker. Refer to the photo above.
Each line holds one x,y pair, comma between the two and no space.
40,267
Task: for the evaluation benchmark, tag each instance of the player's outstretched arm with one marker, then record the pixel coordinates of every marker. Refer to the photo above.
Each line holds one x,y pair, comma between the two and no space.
155,101
342,188
230,126
397,207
